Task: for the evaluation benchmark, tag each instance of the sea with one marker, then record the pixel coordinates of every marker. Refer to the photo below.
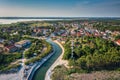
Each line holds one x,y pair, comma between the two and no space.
9,21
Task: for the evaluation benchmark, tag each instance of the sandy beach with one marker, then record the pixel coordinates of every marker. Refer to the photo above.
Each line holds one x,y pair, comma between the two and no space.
59,61
12,76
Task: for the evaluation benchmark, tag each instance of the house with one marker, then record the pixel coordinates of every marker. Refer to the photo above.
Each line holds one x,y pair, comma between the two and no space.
78,34
96,34
115,33
63,40
52,35
118,42
73,33
1,40
15,33
10,48
64,34
1,48
108,31
88,34
22,43
1,45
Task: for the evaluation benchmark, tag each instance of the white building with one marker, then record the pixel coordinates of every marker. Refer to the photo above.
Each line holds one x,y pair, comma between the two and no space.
22,43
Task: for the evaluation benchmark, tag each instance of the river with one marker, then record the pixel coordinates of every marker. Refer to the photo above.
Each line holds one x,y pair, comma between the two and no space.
40,73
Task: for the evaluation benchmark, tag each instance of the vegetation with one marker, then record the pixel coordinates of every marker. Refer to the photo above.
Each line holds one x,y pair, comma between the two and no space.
95,57
94,54
6,59
60,73
113,25
89,53
117,37
37,48
12,66
67,50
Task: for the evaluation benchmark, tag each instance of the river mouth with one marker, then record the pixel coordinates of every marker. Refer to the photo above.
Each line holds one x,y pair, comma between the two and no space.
40,73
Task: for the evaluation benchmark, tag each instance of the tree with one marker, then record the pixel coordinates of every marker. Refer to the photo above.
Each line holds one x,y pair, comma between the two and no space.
82,62
117,37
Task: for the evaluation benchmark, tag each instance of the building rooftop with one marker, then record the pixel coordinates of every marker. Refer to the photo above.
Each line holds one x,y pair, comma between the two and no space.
22,42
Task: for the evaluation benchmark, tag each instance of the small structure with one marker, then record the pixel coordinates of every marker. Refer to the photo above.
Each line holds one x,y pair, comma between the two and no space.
1,45
118,42
1,48
1,40
10,48
22,43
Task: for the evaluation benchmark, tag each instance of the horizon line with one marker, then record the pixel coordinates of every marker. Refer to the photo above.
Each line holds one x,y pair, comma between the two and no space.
35,17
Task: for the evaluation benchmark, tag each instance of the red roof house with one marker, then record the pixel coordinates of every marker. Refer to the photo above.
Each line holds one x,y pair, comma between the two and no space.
10,48
118,42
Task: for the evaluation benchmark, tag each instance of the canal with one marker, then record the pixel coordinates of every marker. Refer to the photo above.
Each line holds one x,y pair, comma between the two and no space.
40,73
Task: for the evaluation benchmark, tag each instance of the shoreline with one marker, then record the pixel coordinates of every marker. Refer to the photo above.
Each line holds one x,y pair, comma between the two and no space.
32,70
10,21
59,61
39,64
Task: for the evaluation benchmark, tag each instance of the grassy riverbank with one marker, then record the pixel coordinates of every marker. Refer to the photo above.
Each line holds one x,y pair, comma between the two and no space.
38,50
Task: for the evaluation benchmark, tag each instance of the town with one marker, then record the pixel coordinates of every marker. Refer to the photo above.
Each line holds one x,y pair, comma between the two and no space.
23,44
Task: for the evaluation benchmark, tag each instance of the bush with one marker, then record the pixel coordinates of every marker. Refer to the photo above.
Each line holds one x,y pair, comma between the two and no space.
29,53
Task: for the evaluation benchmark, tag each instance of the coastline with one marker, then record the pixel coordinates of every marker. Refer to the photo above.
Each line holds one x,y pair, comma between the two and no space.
59,61
10,21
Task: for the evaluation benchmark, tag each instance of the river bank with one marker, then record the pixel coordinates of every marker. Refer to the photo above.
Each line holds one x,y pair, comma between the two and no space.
59,61
41,72
59,50
26,72
38,65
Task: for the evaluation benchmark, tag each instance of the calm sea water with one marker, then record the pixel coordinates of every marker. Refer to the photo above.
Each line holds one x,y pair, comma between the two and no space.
9,21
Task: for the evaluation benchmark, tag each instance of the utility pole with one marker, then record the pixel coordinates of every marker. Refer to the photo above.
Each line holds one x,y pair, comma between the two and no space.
77,33
78,27
72,47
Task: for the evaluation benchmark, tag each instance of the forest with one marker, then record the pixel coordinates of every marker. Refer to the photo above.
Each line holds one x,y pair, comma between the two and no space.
91,53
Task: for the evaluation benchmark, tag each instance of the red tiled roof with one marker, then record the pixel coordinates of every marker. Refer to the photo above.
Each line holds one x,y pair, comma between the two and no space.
10,46
78,34
88,34
118,41
63,35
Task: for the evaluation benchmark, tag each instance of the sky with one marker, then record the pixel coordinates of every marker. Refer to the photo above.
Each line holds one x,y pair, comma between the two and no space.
59,8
